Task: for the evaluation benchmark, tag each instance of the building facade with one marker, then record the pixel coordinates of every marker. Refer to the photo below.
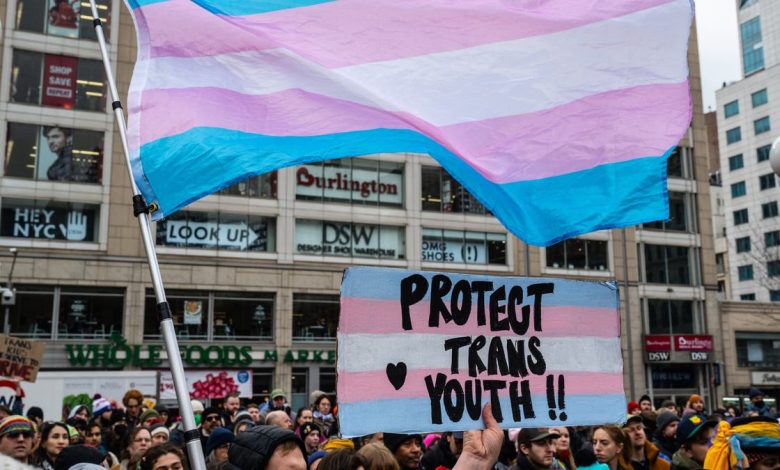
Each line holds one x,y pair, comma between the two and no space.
253,273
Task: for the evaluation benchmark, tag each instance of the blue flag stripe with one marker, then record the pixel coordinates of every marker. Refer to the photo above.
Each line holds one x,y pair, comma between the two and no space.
607,196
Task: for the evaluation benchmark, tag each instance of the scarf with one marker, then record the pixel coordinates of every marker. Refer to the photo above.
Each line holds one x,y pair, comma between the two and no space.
322,417
726,452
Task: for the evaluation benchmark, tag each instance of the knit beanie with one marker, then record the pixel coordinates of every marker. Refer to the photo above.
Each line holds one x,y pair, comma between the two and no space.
218,437
159,428
15,423
150,413
394,441
665,419
632,405
100,406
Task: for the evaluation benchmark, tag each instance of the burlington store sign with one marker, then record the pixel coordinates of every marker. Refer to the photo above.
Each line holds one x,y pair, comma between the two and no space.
678,348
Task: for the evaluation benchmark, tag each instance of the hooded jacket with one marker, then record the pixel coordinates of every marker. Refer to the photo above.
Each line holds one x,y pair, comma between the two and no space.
681,461
653,461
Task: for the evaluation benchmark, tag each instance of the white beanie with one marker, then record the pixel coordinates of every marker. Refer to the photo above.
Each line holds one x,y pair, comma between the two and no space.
197,407
99,406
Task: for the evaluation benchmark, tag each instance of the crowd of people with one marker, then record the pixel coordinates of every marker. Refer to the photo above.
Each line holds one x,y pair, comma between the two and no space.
248,436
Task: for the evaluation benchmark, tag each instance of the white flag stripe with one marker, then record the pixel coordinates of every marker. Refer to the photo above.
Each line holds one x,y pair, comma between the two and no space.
425,351
465,85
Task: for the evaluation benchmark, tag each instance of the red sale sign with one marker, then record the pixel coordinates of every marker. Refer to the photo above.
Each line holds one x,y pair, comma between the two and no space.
59,81
693,343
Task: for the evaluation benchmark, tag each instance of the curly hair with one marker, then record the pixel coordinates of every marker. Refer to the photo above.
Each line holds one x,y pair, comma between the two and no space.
151,456
134,395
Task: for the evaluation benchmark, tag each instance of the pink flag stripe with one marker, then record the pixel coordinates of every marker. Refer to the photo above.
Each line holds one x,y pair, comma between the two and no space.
557,321
366,386
588,138
373,27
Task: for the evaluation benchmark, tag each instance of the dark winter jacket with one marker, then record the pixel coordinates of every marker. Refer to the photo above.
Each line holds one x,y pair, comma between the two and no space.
652,461
681,461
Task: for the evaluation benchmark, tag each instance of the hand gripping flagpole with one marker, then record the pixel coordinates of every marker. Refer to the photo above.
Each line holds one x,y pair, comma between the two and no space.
141,211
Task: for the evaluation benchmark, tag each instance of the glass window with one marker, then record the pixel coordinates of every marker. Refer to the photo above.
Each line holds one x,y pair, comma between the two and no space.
328,380
678,214
769,209
90,312
745,272
241,316
87,313
759,98
32,315
317,237
54,153
300,387
49,220
457,246
733,135
442,193
747,297
58,81
352,181
674,165
218,231
762,153
738,189
752,47
772,238
774,295
577,253
670,316
741,217
67,18
731,109
758,349
262,384
746,3
767,181
260,187
189,310
735,162
671,376
773,268
761,125
315,317
667,264
743,244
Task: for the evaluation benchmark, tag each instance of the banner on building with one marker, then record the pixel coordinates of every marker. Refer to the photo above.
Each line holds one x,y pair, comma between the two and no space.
204,384
20,357
59,81
426,351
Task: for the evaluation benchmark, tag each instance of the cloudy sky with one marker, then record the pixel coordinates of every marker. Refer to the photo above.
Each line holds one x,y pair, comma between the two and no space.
716,23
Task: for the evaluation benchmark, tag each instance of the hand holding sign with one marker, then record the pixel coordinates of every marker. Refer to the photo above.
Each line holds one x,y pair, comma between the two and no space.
481,448
436,347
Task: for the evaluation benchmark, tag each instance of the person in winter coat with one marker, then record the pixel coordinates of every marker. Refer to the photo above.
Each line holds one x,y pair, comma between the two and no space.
537,448
54,438
267,448
665,432
611,446
694,406
407,450
694,434
444,453
757,405
644,455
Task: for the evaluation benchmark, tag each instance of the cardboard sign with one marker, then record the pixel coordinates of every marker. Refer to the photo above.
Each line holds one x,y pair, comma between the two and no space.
20,357
424,351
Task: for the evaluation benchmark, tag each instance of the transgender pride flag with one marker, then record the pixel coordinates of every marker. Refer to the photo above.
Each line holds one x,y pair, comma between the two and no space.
558,115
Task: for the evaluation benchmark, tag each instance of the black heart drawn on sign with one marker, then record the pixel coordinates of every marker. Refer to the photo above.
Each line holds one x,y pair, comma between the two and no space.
396,374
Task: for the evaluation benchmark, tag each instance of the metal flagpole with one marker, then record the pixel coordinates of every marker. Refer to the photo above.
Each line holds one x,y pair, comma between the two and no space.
141,211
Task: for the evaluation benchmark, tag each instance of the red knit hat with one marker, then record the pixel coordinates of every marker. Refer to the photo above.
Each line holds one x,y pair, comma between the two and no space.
632,406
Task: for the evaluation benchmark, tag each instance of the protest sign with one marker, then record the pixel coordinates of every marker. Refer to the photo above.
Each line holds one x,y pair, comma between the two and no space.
20,357
424,351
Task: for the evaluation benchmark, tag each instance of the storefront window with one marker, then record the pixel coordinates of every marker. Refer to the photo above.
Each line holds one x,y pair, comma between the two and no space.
90,313
87,313
58,81
758,349
673,376
670,316
262,384
66,18
315,317
300,388
351,180
442,193
318,237
54,153
458,246
328,380
577,253
234,315
32,315
667,265
242,316
49,220
218,231
678,215
257,187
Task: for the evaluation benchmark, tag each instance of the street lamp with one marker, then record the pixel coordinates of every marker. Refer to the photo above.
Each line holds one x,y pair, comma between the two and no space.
774,156
7,294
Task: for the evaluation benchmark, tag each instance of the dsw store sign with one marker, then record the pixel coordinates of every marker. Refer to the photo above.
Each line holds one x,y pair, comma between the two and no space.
315,237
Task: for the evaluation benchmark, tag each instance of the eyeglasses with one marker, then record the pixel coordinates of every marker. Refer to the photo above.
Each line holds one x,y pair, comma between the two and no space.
212,418
25,434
